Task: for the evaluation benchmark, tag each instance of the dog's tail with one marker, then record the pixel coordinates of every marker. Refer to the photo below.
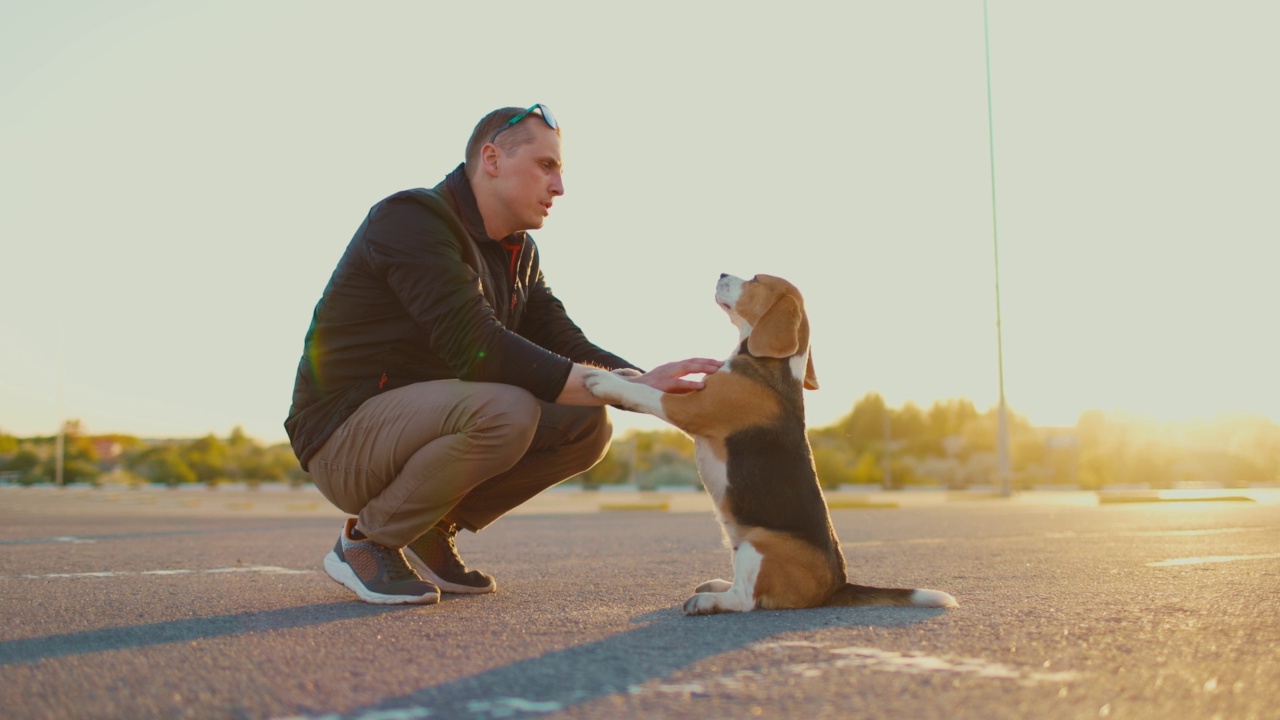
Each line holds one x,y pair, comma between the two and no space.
851,595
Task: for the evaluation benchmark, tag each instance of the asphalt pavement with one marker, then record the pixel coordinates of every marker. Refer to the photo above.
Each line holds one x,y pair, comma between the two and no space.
213,604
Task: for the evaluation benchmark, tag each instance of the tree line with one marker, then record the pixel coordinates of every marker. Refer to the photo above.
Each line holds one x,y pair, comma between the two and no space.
949,444
126,459
952,444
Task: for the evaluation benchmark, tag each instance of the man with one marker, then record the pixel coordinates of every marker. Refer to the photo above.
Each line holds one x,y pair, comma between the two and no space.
441,380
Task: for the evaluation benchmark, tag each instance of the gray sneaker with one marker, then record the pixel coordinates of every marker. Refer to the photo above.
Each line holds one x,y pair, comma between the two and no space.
378,574
435,558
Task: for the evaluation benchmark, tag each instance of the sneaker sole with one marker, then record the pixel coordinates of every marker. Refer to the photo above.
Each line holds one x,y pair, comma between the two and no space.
345,576
425,573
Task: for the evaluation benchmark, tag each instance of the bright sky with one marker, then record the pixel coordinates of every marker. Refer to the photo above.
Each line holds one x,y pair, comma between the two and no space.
178,180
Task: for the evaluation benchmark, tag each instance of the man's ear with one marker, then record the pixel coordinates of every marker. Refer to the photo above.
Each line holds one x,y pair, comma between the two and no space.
777,333
489,155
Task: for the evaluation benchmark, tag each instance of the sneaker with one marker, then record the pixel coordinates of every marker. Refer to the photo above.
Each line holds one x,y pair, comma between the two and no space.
436,559
378,574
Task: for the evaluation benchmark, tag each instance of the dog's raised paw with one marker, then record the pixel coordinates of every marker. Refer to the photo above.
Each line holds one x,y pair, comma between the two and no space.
597,383
616,390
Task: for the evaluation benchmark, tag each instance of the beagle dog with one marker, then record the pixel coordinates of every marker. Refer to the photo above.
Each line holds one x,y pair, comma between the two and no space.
754,458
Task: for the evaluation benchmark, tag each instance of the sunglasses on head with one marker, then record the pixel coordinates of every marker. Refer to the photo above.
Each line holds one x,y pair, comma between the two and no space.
543,111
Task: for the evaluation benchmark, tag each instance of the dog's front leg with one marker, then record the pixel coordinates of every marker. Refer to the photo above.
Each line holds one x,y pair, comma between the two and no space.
740,596
624,393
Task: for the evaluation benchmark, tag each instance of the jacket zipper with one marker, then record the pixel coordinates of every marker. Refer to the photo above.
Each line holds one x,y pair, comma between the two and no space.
515,250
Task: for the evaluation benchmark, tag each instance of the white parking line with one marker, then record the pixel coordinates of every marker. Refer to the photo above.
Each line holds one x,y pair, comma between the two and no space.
408,713
871,659
1068,535
263,569
59,539
1158,533
1211,559
921,663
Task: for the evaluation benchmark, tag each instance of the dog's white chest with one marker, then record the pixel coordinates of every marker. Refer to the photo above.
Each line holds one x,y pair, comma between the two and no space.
712,470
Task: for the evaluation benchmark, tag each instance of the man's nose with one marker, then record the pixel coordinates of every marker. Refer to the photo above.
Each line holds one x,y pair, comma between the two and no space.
557,185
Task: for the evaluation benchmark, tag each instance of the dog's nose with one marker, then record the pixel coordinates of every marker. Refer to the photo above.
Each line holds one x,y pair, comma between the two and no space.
724,275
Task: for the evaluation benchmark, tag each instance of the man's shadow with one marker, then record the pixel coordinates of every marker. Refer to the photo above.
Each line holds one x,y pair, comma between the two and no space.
28,650
664,642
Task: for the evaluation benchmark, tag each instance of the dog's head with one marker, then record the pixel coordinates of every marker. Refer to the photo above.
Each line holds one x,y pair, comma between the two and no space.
769,313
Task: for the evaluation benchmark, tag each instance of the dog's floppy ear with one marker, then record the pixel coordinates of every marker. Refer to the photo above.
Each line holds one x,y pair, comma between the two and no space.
810,379
777,333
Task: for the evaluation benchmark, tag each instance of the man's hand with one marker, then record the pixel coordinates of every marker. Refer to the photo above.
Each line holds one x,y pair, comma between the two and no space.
664,378
669,378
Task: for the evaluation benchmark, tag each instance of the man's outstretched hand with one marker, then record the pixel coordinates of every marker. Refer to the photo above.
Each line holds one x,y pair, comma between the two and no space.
670,377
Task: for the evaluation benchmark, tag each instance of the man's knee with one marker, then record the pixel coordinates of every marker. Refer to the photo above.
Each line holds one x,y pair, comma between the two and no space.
593,442
511,414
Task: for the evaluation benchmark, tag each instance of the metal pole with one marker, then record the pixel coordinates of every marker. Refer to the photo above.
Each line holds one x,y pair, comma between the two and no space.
60,443
1006,485
59,452
888,449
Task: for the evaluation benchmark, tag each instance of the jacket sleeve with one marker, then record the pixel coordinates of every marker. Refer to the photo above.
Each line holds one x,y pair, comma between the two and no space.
548,324
423,264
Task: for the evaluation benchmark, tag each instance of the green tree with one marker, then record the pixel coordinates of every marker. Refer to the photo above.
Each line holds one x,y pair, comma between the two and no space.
79,457
244,459
207,457
611,470
162,464
25,462
272,464
948,419
868,470
864,427
909,429
833,467
74,470
660,446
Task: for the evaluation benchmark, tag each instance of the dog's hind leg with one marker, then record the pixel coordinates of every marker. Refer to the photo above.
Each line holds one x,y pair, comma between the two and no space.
739,596
716,585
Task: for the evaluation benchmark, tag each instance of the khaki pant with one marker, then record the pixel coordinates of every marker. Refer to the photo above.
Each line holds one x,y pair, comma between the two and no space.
463,450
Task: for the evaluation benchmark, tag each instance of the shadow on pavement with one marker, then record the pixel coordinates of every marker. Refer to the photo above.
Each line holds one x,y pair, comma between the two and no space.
43,648
665,642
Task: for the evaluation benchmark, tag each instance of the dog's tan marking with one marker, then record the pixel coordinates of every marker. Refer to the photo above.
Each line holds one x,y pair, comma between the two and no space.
728,402
793,573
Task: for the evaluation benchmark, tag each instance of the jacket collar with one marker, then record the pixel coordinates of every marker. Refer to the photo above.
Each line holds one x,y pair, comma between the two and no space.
459,194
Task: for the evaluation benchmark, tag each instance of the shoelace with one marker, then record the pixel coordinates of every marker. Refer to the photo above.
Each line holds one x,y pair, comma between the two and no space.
394,562
449,531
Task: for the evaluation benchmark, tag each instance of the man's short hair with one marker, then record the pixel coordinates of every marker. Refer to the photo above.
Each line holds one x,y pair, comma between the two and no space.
509,140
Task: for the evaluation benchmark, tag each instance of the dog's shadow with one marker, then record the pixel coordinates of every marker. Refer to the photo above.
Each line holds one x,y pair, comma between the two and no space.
664,642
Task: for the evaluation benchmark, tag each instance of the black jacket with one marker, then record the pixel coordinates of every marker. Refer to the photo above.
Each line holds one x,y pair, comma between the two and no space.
422,293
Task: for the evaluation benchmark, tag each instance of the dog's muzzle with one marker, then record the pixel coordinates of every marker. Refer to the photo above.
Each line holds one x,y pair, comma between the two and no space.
728,289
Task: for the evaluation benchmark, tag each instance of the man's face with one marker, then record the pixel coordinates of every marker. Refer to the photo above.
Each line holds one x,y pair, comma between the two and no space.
528,178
